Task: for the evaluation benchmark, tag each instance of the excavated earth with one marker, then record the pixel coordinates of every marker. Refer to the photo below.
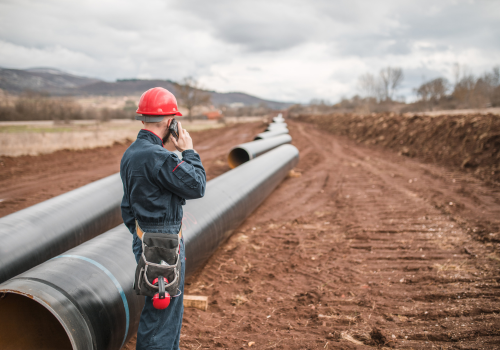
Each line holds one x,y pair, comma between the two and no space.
358,248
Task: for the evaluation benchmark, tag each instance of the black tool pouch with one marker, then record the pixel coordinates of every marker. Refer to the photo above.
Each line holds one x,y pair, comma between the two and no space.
155,248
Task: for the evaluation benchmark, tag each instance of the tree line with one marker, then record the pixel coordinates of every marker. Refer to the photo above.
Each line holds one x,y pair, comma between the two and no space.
467,90
39,105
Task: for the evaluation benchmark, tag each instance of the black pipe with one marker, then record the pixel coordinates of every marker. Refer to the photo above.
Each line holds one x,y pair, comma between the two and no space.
274,126
279,118
35,234
269,134
88,290
233,196
84,299
250,150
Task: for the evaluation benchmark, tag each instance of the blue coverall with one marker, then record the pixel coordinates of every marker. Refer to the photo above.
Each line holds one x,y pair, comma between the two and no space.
156,184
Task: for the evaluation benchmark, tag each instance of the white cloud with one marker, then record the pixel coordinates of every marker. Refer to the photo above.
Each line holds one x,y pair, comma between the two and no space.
291,50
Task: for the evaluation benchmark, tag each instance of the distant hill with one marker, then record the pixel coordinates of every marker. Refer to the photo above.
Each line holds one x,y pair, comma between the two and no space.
125,87
52,81
56,82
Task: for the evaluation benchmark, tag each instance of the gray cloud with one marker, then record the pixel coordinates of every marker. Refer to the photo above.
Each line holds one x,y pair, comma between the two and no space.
303,49
255,25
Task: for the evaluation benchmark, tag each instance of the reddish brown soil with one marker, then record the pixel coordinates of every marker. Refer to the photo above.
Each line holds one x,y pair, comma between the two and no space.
365,249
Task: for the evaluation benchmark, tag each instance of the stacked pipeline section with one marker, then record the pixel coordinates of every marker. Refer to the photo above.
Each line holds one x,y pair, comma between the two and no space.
35,234
276,134
83,299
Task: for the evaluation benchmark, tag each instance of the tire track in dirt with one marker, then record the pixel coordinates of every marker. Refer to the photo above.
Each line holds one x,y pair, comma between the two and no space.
353,254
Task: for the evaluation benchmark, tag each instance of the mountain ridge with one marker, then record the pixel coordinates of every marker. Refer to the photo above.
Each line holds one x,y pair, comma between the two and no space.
59,83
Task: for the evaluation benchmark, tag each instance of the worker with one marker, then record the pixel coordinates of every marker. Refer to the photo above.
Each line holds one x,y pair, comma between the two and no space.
156,184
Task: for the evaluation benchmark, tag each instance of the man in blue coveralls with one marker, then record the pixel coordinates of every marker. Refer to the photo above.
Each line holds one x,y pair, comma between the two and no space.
156,184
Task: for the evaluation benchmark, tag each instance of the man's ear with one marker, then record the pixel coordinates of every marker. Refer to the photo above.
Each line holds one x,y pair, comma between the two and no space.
169,121
142,122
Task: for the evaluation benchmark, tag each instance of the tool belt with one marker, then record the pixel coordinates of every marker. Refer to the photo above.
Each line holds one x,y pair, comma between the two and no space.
140,232
158,247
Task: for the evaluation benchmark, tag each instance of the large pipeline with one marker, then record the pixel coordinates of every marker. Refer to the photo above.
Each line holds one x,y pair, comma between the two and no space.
279,118
269,134
250,150
35,234
274,126
84,299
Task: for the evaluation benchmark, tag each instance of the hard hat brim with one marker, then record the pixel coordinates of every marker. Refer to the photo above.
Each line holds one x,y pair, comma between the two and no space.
159,113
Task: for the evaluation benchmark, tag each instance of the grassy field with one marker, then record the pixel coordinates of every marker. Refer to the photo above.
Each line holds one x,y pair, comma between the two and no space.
33,138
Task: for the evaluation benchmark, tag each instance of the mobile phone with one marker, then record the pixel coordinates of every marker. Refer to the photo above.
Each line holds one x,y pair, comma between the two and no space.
174,130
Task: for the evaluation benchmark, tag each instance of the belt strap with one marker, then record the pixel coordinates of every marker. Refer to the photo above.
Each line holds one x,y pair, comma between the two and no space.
140,232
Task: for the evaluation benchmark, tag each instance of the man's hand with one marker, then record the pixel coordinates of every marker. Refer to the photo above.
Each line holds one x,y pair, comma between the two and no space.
185,142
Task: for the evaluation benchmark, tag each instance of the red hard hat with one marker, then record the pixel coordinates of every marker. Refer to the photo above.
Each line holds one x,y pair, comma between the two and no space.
158,101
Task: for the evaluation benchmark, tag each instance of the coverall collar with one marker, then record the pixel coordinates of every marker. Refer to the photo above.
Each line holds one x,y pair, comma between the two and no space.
150,136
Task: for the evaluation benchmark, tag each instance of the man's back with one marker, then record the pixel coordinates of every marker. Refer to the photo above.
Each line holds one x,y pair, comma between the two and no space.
156,183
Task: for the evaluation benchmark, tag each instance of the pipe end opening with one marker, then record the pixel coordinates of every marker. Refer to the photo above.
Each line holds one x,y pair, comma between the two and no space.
26,324
237,156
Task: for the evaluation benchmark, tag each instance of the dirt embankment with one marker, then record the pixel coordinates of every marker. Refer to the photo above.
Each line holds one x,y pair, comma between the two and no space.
469,142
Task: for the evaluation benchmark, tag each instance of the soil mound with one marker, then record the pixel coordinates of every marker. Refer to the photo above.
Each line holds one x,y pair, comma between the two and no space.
470,142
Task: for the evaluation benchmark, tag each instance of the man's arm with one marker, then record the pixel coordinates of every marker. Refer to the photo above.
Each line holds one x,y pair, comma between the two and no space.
186,178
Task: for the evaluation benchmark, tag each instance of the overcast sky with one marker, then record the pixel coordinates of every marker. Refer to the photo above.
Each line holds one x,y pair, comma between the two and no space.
282,50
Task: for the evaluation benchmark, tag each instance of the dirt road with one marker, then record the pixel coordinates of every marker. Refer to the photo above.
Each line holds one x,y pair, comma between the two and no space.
365,249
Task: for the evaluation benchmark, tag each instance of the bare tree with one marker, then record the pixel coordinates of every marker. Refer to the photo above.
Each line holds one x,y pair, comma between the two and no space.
464,91
391,79
191,94
433,90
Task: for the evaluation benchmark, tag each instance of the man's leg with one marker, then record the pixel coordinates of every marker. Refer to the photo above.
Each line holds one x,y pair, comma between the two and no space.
161,329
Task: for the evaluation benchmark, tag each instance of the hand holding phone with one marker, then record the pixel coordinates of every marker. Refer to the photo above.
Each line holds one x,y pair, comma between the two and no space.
183,141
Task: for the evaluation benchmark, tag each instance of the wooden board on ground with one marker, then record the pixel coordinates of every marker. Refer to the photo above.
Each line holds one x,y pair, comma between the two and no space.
196,301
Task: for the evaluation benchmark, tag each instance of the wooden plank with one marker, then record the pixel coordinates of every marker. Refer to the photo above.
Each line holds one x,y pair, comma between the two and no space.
196,301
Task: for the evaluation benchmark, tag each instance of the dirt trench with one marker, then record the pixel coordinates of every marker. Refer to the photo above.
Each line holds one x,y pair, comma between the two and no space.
365,249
